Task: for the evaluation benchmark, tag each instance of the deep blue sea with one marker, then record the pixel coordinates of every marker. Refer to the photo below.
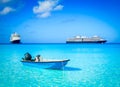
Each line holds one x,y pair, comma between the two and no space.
90,65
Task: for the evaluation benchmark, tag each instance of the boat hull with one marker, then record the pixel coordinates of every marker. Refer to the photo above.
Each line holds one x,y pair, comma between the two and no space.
15,41
86,41
47,64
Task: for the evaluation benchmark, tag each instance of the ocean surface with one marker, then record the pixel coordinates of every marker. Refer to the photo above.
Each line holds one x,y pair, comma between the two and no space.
90,65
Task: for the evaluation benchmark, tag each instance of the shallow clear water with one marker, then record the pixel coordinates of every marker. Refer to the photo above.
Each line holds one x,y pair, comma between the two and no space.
90,65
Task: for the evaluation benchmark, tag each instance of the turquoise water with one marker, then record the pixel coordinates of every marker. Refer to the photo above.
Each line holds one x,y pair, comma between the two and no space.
90,65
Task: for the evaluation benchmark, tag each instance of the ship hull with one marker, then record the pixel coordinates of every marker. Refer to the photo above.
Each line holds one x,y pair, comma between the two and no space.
86,41
15,41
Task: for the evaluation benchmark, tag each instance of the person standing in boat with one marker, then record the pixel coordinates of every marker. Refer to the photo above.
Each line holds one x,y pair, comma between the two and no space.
37,59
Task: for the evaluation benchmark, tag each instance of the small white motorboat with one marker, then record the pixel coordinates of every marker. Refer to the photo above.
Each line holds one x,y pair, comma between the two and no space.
49,64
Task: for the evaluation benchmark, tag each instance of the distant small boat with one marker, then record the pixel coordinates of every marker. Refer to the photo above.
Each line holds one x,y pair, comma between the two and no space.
15,38
49,64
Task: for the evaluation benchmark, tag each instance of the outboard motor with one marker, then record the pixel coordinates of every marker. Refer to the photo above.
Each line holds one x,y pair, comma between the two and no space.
27,56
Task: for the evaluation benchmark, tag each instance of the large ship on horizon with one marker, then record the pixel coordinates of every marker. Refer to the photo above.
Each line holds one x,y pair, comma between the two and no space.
15,38
84,39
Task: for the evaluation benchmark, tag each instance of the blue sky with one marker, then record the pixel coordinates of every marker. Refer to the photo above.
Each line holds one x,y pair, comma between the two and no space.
53,21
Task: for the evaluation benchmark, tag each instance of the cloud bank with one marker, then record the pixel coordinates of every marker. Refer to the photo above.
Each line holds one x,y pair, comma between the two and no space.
44,8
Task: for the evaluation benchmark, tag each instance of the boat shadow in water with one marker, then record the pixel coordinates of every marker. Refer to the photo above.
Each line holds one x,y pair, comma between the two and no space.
66,68
71,69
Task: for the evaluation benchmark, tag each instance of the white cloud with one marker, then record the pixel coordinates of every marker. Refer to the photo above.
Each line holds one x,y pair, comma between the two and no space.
45,8
6,10
5,1
44,15
59,7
